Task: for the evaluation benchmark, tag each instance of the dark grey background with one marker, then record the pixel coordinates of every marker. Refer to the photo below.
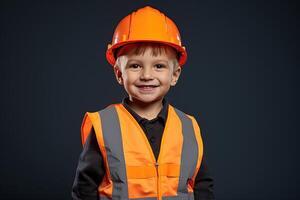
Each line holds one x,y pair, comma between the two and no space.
240,81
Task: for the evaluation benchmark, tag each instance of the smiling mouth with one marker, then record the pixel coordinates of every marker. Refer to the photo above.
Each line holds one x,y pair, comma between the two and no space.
147,88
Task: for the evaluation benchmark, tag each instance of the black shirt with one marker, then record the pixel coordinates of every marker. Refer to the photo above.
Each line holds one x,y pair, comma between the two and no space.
90,169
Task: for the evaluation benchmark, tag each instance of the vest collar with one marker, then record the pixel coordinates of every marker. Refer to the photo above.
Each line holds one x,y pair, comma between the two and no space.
162,115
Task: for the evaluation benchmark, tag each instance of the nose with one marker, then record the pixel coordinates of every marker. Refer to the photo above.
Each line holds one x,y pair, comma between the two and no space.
146,74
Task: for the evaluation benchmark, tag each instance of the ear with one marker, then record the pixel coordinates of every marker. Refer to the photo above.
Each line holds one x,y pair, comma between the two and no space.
175,75
118,74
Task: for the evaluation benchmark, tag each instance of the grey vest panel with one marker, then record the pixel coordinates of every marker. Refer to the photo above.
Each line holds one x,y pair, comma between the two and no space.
189,196
114,149
189,154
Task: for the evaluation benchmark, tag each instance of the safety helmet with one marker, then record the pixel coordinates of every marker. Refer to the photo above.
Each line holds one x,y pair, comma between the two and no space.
146,25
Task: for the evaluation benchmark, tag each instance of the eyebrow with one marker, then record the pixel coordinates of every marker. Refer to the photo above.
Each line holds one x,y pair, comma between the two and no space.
134,60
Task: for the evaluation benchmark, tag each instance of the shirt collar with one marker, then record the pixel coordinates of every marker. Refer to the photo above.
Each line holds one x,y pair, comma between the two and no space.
161,115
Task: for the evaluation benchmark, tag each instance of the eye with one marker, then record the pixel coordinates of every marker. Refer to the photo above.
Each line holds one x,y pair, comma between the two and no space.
134,66
160,66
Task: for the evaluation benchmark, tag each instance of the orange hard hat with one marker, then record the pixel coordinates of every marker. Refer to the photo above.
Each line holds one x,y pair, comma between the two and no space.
146,25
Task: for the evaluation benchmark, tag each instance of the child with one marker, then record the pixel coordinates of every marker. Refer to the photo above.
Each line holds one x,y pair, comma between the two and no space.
143,148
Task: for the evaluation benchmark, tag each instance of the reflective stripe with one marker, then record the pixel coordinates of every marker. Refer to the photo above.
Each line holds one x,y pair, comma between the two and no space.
114,149
147,198
189,196
189,154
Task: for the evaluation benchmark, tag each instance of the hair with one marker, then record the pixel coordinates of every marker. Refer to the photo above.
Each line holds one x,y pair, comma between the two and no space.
140,48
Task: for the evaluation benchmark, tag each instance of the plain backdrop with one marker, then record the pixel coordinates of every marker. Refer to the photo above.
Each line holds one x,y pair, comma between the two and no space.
241,82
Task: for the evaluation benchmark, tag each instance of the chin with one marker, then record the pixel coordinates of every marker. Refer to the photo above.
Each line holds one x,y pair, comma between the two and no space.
147,100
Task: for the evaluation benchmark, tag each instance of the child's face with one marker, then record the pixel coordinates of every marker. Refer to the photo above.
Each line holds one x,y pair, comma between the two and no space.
147,78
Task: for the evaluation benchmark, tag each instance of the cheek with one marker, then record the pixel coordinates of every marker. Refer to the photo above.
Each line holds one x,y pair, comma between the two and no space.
129,78
166,78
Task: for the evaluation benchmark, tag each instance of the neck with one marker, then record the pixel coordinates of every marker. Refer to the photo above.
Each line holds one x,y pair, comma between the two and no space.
145,110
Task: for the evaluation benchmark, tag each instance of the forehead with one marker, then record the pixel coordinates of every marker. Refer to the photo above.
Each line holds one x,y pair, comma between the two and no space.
148,55
142,50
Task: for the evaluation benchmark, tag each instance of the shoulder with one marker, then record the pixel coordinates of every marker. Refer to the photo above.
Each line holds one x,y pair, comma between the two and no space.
93,116
182,113
190,116
91,120
106,108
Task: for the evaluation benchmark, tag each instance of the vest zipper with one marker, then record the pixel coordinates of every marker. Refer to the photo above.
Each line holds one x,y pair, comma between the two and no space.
158,181
156,161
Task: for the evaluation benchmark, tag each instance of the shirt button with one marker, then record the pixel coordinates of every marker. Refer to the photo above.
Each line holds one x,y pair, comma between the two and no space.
152,139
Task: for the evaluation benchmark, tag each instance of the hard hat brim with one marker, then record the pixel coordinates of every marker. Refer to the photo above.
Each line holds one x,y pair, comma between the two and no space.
110,53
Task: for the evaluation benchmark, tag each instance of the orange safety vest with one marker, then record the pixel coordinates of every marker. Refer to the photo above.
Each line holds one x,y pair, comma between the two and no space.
132,171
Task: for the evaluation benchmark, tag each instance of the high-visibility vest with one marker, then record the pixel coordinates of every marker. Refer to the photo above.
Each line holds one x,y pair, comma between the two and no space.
132,171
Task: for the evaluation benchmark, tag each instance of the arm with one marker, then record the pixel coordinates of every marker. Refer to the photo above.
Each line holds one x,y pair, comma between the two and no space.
90,171
203,188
